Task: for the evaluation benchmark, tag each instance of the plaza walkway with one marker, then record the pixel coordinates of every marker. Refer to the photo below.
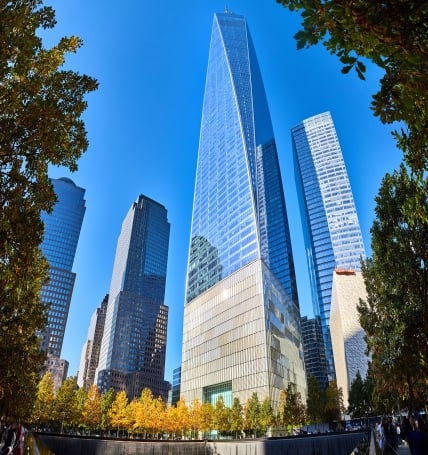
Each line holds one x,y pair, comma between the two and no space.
403,449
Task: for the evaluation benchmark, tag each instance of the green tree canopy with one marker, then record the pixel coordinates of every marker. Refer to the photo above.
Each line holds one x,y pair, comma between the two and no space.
252,414
40,125
291,409
66,409
221,415
43,404
334,407
315,402
236,417
267,418
394,36
395,315
360,397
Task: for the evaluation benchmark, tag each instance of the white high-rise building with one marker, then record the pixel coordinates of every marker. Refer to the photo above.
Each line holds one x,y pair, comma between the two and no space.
347,335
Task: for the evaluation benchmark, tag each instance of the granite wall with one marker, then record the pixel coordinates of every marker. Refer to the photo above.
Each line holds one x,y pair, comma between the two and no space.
329,444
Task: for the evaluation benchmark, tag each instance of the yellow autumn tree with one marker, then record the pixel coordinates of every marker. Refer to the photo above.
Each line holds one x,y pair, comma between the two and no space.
144,412
118,412
42,409
91,414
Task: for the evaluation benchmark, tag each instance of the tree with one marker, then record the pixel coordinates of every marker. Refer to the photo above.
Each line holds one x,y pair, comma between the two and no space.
107,400
40,125
91,414
80,398
221,416
43,404
334,407
144,412
236,418
195,417
252,414
315,401
183,416
159,415
291,410
395,313
266,415
360,397
392,35
118,413
207,417
65,409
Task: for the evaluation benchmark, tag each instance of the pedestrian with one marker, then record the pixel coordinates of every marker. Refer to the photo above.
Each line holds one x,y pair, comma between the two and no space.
418,438
9,440
390,434
380,438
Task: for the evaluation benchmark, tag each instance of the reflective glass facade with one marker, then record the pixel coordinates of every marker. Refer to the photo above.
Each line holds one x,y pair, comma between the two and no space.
239,219
134,339
330,224
62,230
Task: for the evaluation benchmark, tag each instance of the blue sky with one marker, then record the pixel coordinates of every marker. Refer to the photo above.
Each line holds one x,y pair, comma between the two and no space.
150,59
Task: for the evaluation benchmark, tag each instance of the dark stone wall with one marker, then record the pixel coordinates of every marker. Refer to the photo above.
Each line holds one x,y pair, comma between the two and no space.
329,444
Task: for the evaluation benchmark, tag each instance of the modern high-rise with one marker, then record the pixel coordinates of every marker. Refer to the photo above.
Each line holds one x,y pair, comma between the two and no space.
132,355
62,231
91,348
313,346
331,230
241,329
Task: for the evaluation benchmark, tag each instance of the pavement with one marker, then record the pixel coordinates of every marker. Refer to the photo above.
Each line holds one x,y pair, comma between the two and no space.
402,449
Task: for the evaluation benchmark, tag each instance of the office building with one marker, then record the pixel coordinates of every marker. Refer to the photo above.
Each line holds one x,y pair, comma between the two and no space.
132,354
347,335
313,347
91,348
62,230
58,368
330,224
176,383
241,329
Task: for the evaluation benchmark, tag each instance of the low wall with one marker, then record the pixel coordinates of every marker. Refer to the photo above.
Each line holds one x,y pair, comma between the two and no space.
329,444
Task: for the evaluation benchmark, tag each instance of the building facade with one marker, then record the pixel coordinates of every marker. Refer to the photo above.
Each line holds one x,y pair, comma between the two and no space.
241,329
176,386
132,354
313,346
91,349
330,224
62,231
347,335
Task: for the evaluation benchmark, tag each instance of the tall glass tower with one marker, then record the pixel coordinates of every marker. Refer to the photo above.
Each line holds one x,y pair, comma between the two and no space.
241,318
62,231
330,224
132,354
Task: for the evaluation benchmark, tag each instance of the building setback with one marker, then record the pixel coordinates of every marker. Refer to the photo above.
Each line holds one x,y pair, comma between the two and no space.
331,230
132,355
241,329
62,231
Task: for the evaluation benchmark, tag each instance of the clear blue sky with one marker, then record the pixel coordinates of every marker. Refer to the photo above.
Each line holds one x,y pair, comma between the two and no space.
143,126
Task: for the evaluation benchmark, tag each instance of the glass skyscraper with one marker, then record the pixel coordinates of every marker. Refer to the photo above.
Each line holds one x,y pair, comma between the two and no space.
330,224
62,231
132,354
241,319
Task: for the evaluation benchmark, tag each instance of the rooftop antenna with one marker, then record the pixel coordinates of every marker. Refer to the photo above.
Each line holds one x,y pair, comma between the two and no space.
227,10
